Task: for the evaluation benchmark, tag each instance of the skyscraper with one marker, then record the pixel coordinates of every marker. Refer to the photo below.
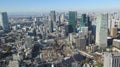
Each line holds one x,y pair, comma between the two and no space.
72,21
4,21
53,16
101,30
62,18
83,20
51,26
52,21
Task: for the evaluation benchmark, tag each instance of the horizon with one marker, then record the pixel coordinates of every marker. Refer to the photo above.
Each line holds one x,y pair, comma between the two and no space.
43,6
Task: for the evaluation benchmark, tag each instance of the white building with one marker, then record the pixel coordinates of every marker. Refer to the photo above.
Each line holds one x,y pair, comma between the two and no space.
84,30
111,59
13,64
101,30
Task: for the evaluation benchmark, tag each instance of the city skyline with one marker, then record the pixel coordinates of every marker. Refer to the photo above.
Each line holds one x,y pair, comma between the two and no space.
59,5
61,33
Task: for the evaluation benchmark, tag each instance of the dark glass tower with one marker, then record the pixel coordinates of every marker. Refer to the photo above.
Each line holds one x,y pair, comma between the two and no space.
72,21
4,21
83,20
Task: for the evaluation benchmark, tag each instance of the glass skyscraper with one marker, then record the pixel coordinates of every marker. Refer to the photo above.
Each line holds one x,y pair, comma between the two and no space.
83,20
101,30
72,21
52,21
4,23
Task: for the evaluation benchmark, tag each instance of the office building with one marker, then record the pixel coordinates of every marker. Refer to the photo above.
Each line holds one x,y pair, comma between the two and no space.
72,21
28,42
62,18
88,23
113,32
80,43
14,64
4,21
51,26
101,30
83,20
84,30
111,59
116,43
119,24
109,41
53,16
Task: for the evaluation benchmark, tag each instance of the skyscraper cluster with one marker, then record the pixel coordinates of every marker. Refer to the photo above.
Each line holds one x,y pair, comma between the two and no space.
60,39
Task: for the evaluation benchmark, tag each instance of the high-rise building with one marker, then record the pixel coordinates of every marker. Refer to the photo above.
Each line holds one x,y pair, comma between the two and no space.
88,23
62,18
53,16
111,59
51,26
113,32
52,20
83,20
4,23
119,24
101,30
72,20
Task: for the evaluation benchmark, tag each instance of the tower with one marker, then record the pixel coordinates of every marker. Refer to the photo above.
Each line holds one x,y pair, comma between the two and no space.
53,16
52,21
4,23
83,20
72,21
101,30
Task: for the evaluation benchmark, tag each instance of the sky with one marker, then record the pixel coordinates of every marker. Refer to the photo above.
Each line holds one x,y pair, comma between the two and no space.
58,5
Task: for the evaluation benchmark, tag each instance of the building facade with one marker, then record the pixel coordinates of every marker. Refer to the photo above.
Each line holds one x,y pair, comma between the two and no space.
101,30
72,20
4,23
111,59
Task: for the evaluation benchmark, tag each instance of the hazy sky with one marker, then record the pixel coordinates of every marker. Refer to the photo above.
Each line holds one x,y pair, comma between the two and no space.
59,5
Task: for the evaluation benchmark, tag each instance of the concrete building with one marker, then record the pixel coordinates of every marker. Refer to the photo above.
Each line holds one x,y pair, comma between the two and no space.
14,64
116,43
113,32
84,30
101,30
62,18
4,21
28,42
87,65
80,43
111,59
119,24
92,48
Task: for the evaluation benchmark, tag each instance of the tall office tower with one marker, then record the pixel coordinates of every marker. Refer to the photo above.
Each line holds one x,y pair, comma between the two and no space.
51,26
62,18
72,21
88,23
101,30
53,16
4,21
83,20
53,19
111,59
